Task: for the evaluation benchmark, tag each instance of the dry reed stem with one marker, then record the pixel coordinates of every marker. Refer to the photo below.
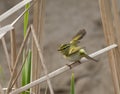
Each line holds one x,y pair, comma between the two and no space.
112,35
35,58
5,47
116,21
42,59
17,59
62,69
38,22
13,50
7,54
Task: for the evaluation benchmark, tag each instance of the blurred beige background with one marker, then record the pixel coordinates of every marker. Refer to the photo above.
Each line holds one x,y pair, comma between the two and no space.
63,19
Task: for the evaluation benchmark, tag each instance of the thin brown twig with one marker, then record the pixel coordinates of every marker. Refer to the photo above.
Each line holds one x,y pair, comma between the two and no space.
7,54
17,59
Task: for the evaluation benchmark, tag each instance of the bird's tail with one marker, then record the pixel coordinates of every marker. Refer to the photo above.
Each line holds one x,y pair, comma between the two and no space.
90,58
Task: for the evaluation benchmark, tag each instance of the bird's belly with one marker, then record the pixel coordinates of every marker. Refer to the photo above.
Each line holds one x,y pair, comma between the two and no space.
74,57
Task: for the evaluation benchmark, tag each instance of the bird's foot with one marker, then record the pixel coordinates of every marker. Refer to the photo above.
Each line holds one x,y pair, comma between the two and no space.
78,62
73,64
69,65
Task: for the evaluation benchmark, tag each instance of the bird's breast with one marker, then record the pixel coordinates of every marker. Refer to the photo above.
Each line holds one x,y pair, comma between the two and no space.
73,57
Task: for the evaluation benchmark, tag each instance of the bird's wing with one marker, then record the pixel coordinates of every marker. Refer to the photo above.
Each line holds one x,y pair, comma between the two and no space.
73,50
78,36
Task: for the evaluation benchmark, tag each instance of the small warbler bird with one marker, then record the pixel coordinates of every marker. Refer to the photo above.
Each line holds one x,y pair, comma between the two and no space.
71,51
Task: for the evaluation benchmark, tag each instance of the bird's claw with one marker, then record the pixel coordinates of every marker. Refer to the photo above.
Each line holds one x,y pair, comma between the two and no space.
71,65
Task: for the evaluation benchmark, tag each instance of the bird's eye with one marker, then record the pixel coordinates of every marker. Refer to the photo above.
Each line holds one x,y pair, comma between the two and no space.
63,47
66,46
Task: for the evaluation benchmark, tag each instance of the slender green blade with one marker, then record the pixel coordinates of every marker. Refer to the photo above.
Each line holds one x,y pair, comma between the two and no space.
29,67
26,71
72,87
23,78
26,18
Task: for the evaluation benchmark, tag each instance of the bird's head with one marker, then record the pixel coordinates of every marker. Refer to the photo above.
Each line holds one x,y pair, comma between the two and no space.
64,48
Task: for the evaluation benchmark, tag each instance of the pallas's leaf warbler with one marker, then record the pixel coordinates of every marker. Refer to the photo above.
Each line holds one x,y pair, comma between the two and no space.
72,51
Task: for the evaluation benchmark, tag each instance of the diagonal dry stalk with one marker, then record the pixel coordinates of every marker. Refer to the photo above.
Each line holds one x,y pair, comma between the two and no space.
17,59
41,58
14,22
7,54
13,9
63,69
111,23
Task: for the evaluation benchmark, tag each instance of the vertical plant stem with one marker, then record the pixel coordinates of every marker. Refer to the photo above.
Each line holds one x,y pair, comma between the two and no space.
38,22
42,60
26,71
72,86
116,21
112,35
13,50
